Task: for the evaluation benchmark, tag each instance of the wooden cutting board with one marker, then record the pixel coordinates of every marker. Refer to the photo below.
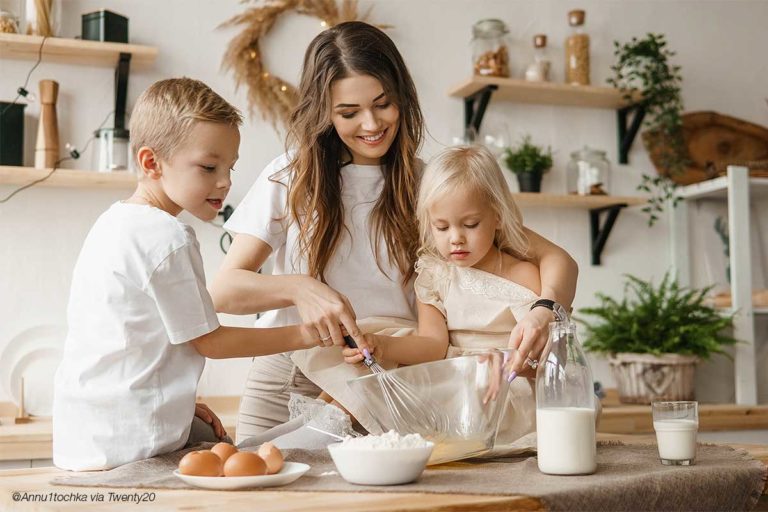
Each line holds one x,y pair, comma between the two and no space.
715,141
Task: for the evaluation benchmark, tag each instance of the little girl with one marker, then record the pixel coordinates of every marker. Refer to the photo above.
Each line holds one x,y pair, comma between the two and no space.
474,282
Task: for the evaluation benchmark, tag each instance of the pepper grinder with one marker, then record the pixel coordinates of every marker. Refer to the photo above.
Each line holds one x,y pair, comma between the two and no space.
47,147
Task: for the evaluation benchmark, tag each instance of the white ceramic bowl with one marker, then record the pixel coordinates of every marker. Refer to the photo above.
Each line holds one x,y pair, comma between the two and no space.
391,466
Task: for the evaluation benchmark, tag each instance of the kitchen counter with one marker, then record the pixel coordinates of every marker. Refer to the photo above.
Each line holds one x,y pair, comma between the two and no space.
35,480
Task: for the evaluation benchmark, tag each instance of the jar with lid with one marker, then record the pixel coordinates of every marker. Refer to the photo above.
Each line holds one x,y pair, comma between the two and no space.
565,405
9,23
577,51
538,70
587,172
490,55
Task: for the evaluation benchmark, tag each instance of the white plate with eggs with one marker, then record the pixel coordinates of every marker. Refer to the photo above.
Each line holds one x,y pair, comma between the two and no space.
291,472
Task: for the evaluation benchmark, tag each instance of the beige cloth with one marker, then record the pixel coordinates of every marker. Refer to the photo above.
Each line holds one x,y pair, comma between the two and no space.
327,369
627,478
480,310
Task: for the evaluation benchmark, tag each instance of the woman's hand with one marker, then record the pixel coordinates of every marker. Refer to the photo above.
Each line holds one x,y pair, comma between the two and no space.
529,337
203,412
367,342
326,311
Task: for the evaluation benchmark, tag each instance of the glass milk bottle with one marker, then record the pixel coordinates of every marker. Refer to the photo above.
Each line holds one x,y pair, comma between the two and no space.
565,406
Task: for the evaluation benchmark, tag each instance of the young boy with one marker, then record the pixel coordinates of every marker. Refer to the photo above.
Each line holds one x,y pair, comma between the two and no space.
140,319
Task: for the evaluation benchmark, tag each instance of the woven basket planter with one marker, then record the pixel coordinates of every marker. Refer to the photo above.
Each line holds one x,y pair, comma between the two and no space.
644,378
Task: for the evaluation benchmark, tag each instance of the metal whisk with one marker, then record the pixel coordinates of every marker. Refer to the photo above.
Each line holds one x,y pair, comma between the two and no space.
410,413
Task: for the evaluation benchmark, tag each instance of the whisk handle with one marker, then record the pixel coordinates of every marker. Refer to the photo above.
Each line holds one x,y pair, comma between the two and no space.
350,341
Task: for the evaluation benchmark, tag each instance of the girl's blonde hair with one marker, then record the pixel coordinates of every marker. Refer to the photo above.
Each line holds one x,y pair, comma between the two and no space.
314,192
476,169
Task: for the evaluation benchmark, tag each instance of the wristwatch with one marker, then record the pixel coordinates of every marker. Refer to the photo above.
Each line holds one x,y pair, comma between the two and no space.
557,309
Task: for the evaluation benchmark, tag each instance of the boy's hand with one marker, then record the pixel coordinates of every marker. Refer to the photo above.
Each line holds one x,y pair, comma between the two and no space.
355,355
203,412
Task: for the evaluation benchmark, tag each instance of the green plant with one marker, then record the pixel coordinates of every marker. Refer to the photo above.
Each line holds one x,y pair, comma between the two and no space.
642,66
528,157
656,320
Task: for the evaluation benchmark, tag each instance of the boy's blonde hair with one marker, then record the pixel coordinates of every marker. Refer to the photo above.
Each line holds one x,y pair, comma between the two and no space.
166,112
475,168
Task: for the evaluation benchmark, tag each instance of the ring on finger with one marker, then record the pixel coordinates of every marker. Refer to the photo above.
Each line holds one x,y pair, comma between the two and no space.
325,338
533,363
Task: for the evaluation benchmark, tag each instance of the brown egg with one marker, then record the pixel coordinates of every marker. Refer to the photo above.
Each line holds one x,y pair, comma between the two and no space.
245,464
223,450
201,463
272,456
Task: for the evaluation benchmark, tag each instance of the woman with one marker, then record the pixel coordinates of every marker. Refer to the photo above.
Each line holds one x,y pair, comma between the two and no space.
338,211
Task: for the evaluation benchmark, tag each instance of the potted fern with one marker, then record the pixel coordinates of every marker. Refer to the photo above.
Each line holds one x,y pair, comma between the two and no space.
654,336
529,162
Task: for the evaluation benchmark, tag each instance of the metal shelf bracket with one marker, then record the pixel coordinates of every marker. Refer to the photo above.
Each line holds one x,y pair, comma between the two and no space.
626,131
475,105
599,235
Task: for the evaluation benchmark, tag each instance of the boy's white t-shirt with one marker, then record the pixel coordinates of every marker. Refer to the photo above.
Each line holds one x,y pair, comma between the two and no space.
352,270
125,389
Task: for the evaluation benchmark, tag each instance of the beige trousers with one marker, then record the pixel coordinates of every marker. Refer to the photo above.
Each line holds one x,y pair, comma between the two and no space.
264,403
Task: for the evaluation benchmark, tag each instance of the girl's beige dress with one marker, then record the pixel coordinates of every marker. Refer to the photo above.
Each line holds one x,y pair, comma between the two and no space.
480,309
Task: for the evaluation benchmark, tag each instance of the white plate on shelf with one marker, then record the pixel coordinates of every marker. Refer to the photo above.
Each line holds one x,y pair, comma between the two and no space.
33,354
291,472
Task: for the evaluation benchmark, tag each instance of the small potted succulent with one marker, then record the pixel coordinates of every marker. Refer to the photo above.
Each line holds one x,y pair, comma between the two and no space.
529,162
654,336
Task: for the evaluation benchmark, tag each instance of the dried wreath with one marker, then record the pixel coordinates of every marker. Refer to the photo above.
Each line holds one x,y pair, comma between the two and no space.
270,94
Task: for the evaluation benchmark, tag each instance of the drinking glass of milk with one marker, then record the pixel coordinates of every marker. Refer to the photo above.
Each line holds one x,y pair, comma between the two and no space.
676,424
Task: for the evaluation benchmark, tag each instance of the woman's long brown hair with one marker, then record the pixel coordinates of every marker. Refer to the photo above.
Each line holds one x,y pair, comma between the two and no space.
317,152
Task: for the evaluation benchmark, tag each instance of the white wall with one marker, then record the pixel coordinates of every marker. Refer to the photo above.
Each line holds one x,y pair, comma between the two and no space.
719,43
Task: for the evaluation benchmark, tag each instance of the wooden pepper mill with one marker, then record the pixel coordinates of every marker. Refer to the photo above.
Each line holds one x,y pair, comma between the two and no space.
47,147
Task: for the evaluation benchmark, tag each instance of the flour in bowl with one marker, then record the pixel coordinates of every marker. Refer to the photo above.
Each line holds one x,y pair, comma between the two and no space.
386,441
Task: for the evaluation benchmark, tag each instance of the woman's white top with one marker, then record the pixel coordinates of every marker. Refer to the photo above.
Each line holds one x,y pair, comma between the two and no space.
352,270
125,389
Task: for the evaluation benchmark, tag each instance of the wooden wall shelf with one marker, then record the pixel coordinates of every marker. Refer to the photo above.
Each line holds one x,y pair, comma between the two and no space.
543,93
67,178
477,92
73,51
596,205
77,51
574,201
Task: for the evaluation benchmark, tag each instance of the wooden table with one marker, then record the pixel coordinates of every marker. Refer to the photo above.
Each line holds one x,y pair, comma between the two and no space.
36,480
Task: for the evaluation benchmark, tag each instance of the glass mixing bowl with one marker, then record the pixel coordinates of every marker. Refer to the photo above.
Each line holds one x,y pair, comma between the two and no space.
468,393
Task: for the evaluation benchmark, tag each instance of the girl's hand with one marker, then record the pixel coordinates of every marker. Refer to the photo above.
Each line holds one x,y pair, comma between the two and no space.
529,337
203,412
325,310
366,342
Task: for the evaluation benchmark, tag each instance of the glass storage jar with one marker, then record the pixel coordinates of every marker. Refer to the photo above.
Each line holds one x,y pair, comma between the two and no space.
490,55
9,22
577,51
588,172
538,70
